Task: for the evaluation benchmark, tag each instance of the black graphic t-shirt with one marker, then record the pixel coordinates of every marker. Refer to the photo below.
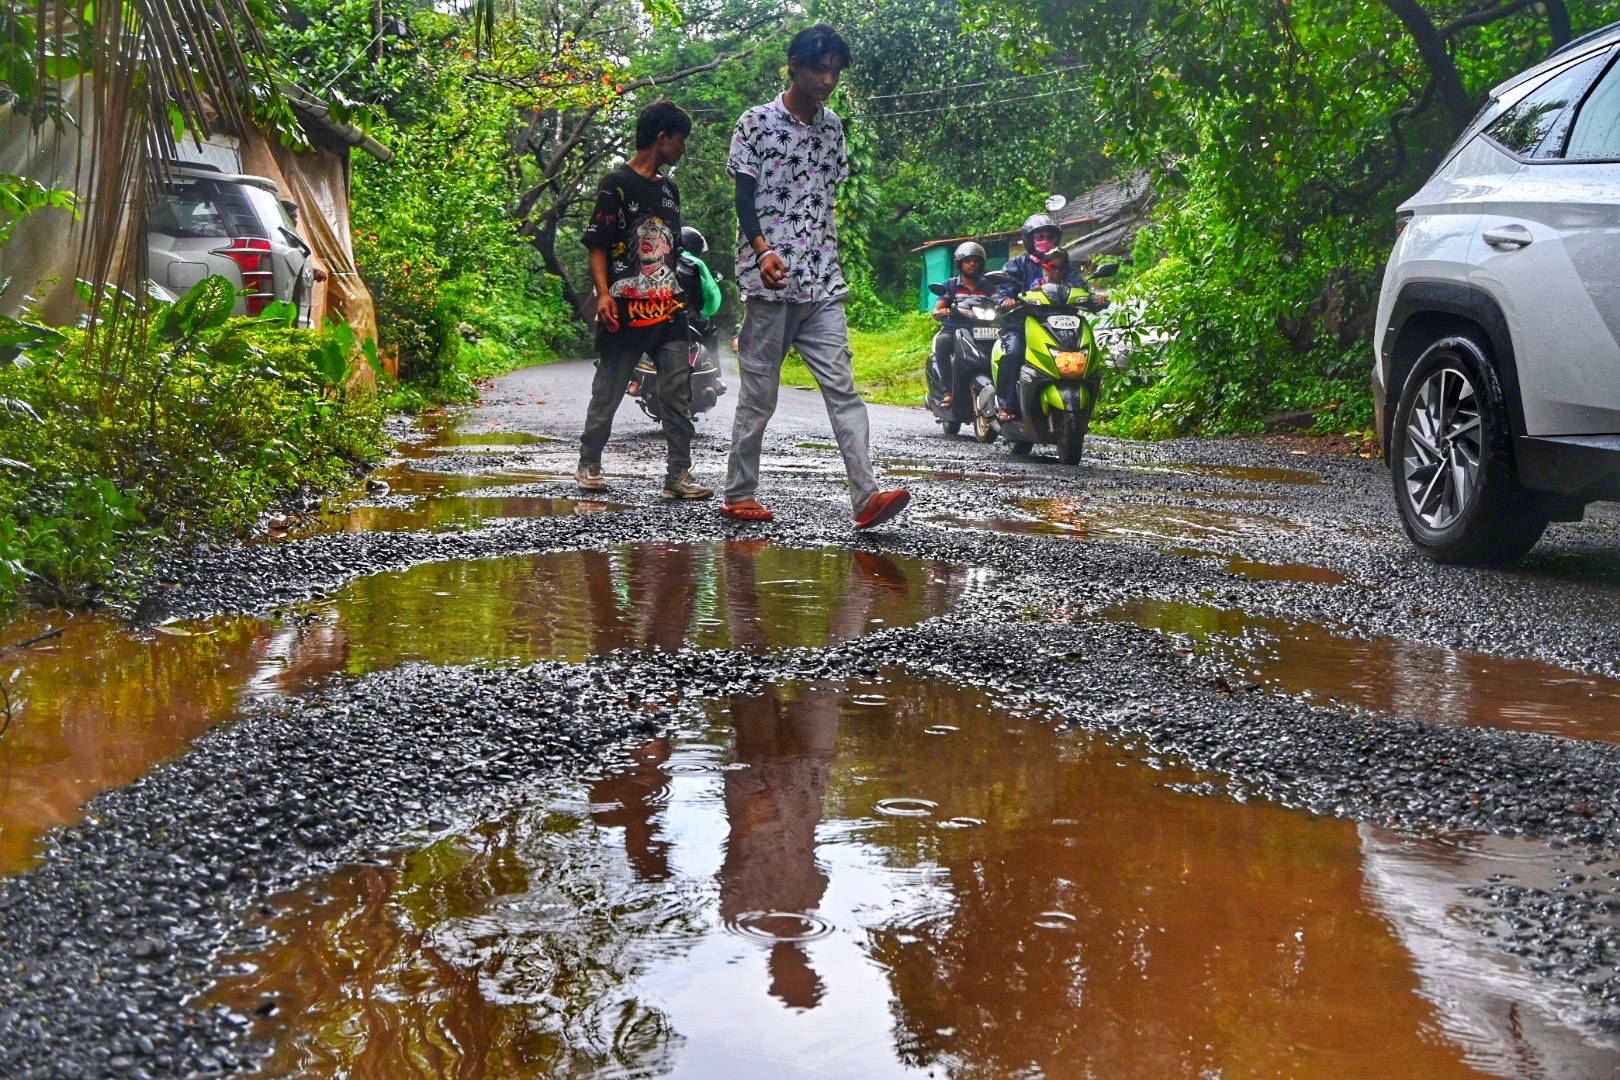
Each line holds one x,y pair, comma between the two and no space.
637,221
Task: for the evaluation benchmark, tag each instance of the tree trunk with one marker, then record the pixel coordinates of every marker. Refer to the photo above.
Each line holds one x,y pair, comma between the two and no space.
1432,47
1557,21
545,242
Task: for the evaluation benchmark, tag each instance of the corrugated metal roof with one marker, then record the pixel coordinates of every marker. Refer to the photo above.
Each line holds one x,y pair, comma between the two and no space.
1102,203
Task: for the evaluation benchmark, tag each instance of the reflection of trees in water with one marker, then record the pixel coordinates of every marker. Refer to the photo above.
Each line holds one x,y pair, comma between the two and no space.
1200,934
515,958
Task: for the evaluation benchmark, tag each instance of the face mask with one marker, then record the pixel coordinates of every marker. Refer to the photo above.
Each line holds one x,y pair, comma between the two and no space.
1044,243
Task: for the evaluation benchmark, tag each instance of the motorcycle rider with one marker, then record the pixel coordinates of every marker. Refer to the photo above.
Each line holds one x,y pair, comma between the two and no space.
969,261
1041,234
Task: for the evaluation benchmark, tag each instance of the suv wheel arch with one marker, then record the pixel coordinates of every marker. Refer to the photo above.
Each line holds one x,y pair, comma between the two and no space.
1425,312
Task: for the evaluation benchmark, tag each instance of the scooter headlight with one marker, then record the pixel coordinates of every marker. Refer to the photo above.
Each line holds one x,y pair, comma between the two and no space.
1071,365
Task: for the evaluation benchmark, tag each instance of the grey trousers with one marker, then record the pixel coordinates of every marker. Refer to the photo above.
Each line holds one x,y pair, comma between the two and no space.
620,354
818,330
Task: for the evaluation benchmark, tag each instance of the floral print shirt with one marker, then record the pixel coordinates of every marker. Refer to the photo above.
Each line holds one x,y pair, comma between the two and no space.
797,168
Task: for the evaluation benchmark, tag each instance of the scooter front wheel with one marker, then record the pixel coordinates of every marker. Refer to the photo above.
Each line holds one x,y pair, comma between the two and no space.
951,427
1073,439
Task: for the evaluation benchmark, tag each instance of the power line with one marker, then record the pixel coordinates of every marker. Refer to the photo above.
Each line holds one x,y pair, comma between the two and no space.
971,85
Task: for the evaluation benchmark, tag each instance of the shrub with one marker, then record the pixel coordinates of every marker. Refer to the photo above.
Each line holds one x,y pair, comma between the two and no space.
190,424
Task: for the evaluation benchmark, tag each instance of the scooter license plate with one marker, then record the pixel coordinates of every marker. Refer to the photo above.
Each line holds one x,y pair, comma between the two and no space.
1070,365
1063,322
985,333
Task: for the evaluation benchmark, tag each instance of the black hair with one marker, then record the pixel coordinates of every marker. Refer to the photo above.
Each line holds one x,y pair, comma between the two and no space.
1055,254
814,44
662,117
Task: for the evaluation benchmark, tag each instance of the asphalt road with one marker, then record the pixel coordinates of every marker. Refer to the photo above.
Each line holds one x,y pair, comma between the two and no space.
1253,612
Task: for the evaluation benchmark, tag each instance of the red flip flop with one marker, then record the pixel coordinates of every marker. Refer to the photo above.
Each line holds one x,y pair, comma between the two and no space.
746,513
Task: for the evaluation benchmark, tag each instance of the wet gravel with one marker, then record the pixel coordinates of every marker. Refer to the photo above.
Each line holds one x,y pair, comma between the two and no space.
105,941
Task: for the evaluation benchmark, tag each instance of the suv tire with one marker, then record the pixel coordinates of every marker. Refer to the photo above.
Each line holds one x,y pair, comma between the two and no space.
1451,459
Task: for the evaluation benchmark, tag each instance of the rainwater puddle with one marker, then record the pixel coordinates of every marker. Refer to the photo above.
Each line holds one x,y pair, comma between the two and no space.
434,513
98,706
1263,571
1088,519
737,594
1389,675
1048,913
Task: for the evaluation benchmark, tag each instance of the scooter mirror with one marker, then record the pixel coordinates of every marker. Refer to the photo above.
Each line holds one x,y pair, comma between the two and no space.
999,278
936,288
1106,270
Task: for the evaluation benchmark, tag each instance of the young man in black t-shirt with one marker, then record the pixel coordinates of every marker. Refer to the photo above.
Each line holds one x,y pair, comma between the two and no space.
634,241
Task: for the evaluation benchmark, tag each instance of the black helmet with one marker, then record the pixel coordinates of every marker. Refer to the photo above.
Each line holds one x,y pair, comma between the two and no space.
1039,223
692,240
968,250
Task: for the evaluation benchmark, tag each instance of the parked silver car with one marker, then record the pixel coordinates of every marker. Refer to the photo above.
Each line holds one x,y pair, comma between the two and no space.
208,222
1498,341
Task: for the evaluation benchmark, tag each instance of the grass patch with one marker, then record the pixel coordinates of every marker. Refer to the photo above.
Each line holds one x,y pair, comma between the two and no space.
888,363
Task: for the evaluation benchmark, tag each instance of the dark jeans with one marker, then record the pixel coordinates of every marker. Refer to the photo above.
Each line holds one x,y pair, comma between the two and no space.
666,344
944,344
1012,362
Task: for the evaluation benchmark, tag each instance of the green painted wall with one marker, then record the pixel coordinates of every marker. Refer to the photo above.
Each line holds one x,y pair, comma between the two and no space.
937,268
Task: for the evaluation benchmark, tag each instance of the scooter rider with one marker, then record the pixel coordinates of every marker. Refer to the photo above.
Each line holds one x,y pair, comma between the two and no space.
1041,234
969,261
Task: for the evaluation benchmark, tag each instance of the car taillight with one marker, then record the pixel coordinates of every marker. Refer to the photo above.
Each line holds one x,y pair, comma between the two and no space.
252,254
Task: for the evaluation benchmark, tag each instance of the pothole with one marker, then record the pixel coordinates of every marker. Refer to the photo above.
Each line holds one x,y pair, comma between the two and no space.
98,706
734,921
1391,675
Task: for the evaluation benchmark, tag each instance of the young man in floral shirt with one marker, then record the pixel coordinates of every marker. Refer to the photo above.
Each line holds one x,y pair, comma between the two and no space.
634,241
788,159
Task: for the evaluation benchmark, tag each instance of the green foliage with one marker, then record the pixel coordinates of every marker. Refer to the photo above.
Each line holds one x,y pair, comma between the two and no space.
206,421
889,360
459,296
1283,137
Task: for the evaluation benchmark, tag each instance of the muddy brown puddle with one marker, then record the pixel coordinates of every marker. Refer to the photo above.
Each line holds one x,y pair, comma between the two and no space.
1176,530
100,705
1390,675
890,878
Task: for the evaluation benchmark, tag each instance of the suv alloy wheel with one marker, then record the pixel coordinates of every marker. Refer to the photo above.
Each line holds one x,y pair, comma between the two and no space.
1452,462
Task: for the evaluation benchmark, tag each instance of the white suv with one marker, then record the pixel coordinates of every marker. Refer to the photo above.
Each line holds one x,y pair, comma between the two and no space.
1498,343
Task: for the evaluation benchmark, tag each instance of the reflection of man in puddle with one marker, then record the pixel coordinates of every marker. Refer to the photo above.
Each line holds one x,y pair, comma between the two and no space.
638,792
873,583
773,807
649,607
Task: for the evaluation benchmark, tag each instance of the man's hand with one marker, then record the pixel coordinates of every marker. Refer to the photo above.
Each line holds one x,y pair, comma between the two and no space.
607,312
772,270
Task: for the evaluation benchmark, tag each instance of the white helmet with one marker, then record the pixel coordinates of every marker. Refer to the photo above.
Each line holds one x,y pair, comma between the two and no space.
967,250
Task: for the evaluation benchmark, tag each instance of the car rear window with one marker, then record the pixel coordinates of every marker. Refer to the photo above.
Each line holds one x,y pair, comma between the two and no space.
190,209
1535,125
